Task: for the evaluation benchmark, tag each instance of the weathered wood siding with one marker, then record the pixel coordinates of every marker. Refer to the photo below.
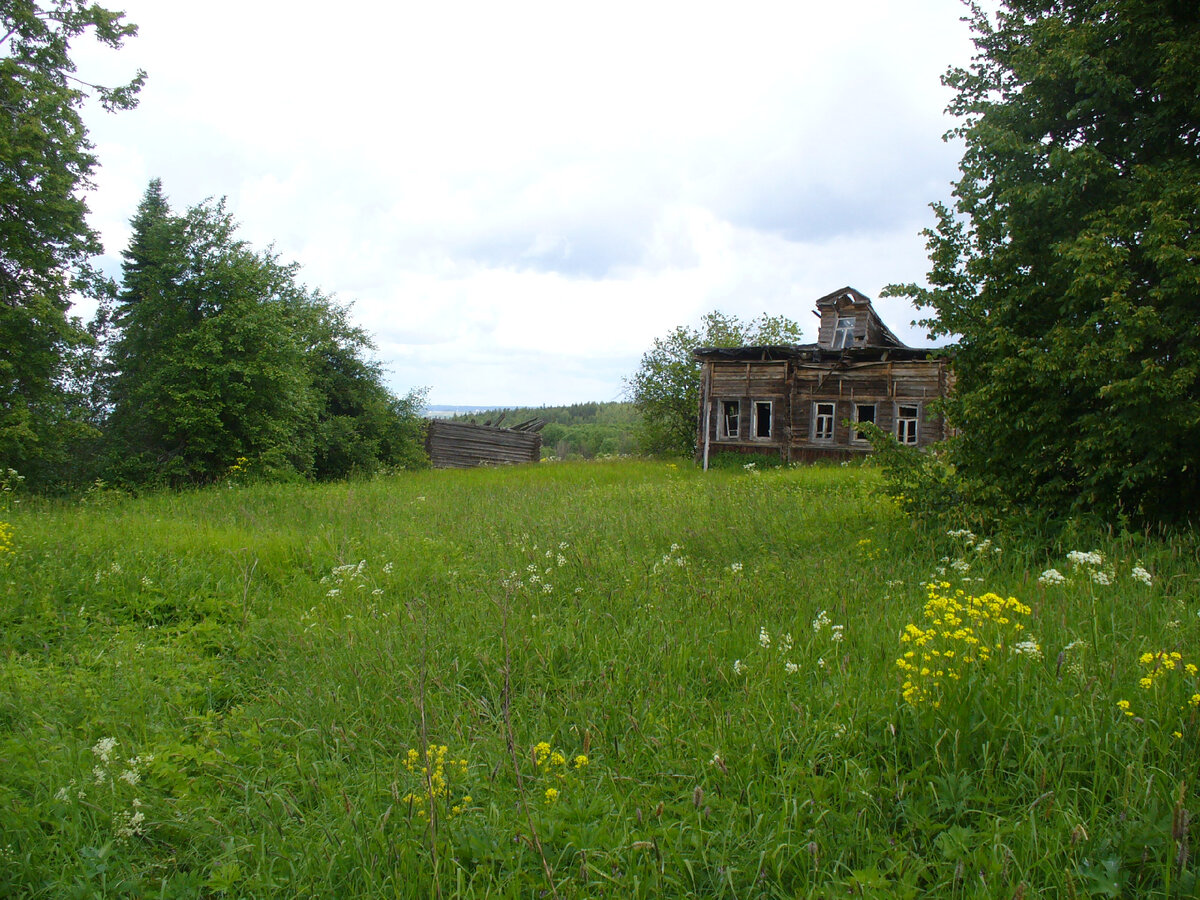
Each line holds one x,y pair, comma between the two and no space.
887,385
747,383
463,445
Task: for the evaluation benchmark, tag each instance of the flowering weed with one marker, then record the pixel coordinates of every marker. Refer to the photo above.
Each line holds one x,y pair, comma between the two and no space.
962,635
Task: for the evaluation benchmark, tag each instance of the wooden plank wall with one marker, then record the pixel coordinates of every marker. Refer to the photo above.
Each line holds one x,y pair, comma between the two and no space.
747,382
884,384
462,445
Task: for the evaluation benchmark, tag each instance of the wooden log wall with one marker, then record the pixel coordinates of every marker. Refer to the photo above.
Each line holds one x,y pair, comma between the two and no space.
463,445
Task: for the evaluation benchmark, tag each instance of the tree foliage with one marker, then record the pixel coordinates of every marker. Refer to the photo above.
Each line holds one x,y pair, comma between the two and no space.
1069,265
220,354
666,387
45,242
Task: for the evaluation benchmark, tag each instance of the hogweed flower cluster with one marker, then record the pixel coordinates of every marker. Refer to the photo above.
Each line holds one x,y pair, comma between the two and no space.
962,633
1090,566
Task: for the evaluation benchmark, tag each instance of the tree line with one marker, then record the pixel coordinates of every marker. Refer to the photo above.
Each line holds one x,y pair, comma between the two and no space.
208,355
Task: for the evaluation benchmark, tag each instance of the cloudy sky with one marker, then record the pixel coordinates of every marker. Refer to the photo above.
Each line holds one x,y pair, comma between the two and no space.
519,197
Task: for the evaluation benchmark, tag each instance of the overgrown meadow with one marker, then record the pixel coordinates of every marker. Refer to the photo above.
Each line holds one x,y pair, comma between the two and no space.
623,679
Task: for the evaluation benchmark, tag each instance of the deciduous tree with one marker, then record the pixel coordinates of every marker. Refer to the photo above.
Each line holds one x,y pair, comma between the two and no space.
666,387
1068,267
45,242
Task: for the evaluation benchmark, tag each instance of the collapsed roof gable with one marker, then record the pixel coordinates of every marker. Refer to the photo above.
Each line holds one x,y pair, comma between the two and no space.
868,329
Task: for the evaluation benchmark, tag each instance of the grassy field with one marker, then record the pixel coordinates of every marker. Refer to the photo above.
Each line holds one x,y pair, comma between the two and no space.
625,679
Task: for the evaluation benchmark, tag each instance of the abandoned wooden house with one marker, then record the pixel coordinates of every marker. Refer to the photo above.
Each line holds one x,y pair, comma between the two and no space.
802,401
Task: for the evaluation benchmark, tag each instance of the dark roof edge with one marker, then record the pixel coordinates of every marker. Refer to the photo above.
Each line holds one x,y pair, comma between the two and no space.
816,353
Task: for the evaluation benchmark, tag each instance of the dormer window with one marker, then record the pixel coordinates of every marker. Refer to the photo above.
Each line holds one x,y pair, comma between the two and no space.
844,336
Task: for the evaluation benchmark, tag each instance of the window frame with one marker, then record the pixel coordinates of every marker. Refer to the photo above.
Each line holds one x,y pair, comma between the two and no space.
903,421
831,416
754,420
843,332
723,420
855,435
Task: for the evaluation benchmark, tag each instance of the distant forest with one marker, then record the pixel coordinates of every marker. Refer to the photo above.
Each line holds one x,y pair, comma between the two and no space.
578,431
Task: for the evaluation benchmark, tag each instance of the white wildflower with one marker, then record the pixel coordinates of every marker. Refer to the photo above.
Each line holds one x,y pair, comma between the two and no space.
735,568
960,565
738,667
785,643
820,621
1079,558
387,568
130,824
1051,576
764,638
836,634
104,748
1029,648
1140,574
130,777
1101,577
791,668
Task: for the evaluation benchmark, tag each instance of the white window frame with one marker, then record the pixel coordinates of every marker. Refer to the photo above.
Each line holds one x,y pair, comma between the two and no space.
843,332
723,420
874,420
758,404
908,428
830,418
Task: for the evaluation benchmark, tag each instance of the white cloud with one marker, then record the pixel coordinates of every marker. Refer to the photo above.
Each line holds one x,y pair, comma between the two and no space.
520,197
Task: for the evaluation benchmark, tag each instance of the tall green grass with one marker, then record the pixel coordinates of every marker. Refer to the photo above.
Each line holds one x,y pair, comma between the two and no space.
720,647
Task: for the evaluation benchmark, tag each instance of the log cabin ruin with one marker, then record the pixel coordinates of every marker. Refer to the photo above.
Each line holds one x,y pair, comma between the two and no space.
464,445
802,401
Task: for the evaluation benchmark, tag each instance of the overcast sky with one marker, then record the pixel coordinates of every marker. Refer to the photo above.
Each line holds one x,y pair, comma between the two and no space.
519,197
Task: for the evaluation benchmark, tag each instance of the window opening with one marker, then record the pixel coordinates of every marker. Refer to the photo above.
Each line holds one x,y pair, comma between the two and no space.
762,418
906,424
823,422
730,409
844,336
863,412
